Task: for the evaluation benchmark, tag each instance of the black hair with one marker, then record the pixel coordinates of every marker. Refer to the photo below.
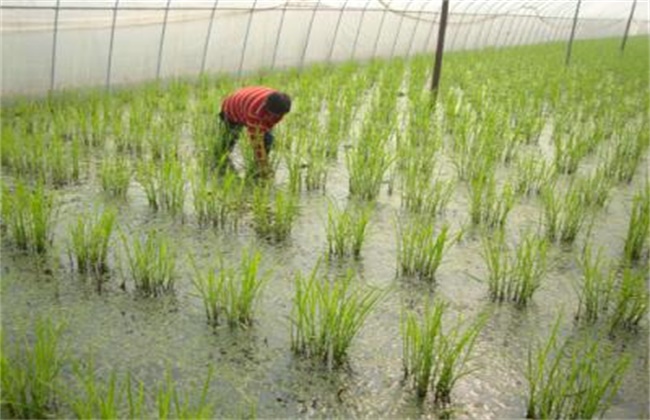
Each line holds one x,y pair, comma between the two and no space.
278,103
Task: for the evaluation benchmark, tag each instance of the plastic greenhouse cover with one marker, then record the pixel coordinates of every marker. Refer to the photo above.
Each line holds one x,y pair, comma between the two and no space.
78,12
589,9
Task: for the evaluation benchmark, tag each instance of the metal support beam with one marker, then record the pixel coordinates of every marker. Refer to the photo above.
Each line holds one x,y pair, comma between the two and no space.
278,36
208,36
248,30
336,32
55,36
573,33
399,28
162,39
437,67
356,37
109,68
311,25
627,27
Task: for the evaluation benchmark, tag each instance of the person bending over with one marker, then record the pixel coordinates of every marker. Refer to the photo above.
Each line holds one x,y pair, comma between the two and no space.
259,109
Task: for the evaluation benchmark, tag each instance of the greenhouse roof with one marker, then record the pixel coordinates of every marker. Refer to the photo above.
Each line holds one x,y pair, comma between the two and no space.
595,9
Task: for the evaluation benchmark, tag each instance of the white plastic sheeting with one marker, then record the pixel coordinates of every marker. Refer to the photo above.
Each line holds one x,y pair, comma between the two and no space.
57,44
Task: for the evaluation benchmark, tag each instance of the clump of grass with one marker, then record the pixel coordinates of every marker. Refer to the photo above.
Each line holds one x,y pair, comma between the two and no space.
571,379
89,242
624,156
115,174
421,249
171,402
488,207
95,399
164,185
596,287
327,315
346,230
151,264
570,147
115,397
629,301
421,196
514,276
219,202
316,171
231,293
28,215
638,231
435,359
274,212
564,214
594,190
30,372
531,174
368,162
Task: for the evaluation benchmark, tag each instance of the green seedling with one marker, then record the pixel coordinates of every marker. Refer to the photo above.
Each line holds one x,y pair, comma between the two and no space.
115,174
435,359
89,242
571,379
28,215
231,293
151,263
327,314
30,372
346,230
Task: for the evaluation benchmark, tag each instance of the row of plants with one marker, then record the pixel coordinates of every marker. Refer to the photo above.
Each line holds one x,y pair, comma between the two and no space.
543,138
565,377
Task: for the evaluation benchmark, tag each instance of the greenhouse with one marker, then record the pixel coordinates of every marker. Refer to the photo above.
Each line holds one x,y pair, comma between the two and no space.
325,208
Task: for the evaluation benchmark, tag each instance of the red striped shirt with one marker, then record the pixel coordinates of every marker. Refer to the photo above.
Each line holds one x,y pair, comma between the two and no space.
246,106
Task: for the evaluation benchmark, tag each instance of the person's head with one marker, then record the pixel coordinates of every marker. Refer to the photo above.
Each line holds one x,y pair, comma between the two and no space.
278,103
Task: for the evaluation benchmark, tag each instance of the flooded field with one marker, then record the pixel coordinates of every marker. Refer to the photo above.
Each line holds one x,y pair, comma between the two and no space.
498,111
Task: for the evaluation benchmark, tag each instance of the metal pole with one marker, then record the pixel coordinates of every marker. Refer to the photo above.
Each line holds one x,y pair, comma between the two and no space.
460,24
427,40
627,27
54,41
415,30
336,32
573,33
488,22
207,37
437,68
491,24
248,29
356,37
162,39
110,46
279,35
399,29
500,31
311,24
381,26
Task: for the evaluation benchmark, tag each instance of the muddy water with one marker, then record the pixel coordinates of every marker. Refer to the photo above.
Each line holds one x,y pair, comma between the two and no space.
255,369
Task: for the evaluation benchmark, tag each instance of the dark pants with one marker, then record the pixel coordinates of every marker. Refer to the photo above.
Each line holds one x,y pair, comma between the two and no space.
231,130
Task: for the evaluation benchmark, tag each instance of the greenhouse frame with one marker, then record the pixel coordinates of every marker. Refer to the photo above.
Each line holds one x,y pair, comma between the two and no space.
325,209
